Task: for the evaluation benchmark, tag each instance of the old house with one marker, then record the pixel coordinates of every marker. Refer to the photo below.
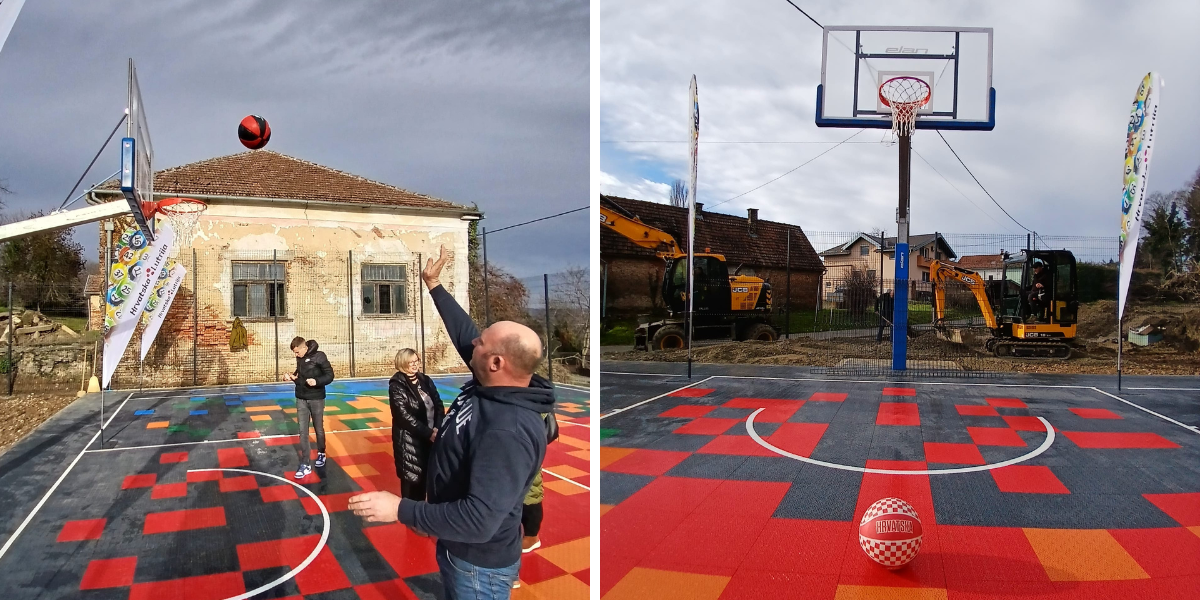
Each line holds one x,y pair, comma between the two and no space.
631,276
988,266
292,248
877,255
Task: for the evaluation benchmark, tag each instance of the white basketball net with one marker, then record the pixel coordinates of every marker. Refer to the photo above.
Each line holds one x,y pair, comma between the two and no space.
184,218
905,96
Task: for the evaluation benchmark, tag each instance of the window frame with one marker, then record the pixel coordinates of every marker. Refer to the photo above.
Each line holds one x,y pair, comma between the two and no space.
279,294
396,288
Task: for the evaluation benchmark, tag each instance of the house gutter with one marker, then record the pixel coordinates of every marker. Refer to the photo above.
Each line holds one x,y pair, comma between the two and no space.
420,210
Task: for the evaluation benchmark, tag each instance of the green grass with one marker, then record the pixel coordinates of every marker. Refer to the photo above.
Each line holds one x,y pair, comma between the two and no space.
620,334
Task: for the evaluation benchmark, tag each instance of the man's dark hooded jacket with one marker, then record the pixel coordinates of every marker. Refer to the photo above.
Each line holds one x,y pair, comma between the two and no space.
313,365
490,446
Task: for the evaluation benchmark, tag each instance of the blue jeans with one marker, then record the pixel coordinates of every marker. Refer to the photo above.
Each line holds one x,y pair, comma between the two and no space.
465,581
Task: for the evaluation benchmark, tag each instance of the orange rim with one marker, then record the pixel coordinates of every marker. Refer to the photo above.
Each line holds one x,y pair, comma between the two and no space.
179,206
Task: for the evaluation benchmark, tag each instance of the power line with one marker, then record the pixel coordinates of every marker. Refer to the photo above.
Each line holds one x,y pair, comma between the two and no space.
968,198
541,219
714,142
806,14
989,194
790,172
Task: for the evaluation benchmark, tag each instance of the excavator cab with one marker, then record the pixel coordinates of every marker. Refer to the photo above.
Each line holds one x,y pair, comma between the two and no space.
711,285
1056,302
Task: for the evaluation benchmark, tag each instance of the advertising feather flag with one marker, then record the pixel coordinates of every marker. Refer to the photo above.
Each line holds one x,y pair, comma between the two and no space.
134,273
1139,141
169,280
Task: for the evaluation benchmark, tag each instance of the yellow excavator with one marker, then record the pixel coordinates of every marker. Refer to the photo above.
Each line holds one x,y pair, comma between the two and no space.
1025,319
726,306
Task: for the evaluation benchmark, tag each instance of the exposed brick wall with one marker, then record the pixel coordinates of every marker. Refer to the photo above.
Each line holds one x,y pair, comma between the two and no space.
634,286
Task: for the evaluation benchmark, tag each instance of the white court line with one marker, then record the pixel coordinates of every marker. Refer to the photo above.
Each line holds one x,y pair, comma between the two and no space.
575,424
573,387
13,538
632,406
1012,461
1165,389
646,374
261,437
1163,417
307,561
567,479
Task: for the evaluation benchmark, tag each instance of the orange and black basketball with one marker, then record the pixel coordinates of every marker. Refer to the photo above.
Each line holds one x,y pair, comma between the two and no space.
254,132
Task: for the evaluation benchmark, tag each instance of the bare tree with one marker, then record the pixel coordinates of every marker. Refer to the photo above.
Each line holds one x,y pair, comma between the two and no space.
573,292
679,193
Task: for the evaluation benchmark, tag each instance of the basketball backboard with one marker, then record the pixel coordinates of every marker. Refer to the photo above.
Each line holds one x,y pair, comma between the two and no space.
956,62
137,159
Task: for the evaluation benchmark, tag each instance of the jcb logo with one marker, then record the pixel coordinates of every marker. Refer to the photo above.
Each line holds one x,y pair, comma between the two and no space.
741,290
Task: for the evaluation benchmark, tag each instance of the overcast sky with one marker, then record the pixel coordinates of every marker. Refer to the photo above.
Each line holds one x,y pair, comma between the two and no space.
1065,74
483,102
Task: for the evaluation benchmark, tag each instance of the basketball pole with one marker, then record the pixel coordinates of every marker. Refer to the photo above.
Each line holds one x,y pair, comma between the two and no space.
900,306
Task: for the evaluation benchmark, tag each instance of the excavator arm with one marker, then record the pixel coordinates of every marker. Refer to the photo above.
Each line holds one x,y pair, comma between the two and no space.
640,233
939,272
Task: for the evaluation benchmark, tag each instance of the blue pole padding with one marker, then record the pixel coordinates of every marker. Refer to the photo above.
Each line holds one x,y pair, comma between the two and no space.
900,313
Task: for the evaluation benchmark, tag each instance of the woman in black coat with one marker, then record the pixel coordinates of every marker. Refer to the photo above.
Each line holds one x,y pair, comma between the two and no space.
417,413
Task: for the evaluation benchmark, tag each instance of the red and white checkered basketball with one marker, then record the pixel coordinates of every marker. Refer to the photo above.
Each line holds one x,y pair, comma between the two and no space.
890,533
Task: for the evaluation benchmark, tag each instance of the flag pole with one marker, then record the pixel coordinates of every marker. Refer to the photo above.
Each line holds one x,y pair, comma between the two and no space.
693,147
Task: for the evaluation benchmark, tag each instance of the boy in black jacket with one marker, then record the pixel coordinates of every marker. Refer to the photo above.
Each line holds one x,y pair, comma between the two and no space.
312,374
490,446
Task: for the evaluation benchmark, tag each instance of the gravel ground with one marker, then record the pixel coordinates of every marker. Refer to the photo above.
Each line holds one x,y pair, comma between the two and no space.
23,412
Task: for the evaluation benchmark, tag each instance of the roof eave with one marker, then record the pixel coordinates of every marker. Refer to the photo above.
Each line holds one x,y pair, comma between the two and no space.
429,210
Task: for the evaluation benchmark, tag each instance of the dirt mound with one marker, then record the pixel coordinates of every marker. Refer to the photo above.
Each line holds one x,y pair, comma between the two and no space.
1097,320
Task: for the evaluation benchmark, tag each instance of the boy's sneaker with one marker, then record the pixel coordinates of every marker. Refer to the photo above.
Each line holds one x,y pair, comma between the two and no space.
303,471
530,543
320,460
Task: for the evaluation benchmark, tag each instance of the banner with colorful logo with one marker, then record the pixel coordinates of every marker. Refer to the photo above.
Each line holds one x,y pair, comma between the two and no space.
8,17
169,280
693,164
134,272
1139,140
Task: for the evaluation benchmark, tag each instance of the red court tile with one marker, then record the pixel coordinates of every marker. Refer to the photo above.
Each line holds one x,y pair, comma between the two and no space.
705,426
277,493
383,590
995,436
333,502
1028,479
1184,508
775,410
926,570
735,445
232,458
665,495
647,462
975,410
688,411
959,454
324,574
972,554
1025,423
1095,413
87,529
898,413
245,435
198,476
1097,439
892,391
172,457
691,392
750,583
1005,402
312,477
614,567
1167,552
827,397
535,569
202,587
801,546
798,438
407,553
184,520
139,481
109,573
734,500
283,440
712,545
238,484
169,490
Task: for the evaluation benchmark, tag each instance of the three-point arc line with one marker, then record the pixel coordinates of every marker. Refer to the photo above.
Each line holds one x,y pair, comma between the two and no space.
1012,461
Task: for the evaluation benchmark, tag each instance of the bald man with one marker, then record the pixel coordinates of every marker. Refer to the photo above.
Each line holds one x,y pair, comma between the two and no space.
490,446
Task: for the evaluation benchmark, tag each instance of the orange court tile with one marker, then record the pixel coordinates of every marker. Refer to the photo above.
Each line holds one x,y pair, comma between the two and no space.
1195,530
566,471
564,587
610,455
875,592
292,411
328,408
576,442
365,404
263,408
641,584
1083,555
158,424
607,507
260,417
573,556
565,488
581,454
357,471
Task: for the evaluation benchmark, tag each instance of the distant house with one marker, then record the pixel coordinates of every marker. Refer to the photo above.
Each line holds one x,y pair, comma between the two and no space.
988,266
758,247
876,257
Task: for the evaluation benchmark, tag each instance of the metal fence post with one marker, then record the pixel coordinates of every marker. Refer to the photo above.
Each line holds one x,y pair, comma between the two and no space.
12,333
487,313
787,303
549,349
421,308
275,309
195,322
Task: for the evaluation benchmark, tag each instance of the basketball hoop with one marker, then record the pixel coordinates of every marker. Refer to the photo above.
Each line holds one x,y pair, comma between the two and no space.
905,96
184,216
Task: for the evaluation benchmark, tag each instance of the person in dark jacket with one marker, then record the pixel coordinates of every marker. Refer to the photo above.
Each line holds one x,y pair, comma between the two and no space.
417,413
312,374
488,450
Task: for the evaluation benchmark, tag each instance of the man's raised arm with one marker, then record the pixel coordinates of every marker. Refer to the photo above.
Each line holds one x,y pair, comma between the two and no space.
458,323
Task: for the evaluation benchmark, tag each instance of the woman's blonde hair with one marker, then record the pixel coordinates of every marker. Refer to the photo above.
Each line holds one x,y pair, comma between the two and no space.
403,357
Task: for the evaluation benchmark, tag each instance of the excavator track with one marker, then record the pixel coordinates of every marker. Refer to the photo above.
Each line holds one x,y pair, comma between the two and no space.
1030,349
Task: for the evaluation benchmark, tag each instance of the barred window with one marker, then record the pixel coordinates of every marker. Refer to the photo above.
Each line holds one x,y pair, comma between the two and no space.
259,290
384,289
